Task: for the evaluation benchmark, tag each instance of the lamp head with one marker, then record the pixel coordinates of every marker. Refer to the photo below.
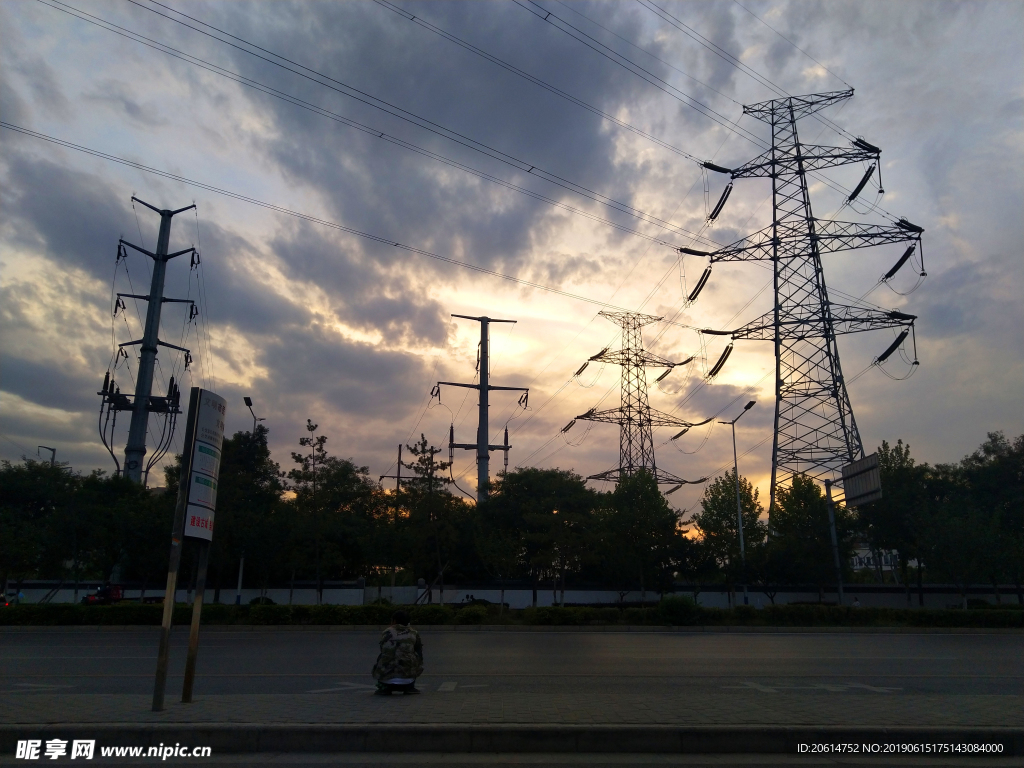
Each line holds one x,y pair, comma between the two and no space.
248,401
750,405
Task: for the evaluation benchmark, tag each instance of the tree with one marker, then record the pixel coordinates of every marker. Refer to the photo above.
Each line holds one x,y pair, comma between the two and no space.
716,523
328,491
31,494
251,522
641,530
437,525
803,537
556,511
897,520
995,475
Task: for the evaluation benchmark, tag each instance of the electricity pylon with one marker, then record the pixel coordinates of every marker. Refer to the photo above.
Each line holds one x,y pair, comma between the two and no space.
815,431
482,445
144,403
635,417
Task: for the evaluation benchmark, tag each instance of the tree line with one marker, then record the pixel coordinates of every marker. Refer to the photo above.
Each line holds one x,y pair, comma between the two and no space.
325,520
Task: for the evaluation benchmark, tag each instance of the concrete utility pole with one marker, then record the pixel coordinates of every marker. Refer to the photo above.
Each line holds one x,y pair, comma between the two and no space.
135,451
481,446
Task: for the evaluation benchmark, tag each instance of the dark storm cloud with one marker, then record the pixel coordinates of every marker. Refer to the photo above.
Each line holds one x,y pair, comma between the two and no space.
66,388
384,189
70,215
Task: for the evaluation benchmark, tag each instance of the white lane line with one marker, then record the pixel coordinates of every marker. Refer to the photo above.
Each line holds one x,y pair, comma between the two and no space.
447,687
344,687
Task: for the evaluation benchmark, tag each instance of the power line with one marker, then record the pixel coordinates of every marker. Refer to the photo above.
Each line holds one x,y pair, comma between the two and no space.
645,51
306,217
419,20
365,98
805,53
644,74
697,37
662,85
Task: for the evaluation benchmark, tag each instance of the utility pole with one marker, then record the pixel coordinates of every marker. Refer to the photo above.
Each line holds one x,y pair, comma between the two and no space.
815,432
482,445
144,403
397,477
53,453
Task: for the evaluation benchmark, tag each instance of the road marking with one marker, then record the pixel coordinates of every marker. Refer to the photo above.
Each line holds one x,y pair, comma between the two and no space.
830,687
478,685
754,686
42,686
447,687
344,687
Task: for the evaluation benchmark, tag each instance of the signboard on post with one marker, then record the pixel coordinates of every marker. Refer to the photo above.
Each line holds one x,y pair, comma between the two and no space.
862,481
204,466
193,516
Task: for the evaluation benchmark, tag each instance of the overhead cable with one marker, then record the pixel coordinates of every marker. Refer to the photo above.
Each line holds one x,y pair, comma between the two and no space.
308,217
384,136
377,103
419,20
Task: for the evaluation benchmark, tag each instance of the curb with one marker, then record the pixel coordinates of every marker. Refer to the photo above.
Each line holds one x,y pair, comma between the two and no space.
232,738
612,628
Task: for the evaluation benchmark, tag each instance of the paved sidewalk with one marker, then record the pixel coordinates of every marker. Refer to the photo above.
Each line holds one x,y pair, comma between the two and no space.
358,706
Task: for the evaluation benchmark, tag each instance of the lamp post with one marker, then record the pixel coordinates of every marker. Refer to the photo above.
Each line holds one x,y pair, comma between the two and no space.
248,404
241,562
739,505
53,453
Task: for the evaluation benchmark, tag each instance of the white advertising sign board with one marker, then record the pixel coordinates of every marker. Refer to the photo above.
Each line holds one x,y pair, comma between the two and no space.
206,455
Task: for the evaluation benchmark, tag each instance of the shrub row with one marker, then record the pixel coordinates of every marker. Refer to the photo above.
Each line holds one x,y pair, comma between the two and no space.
672,611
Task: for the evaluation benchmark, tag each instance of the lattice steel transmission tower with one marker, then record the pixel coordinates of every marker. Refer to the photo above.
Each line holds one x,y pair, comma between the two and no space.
815,431
635,417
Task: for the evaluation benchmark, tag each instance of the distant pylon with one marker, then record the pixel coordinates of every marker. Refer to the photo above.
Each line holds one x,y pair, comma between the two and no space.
635,417
815,431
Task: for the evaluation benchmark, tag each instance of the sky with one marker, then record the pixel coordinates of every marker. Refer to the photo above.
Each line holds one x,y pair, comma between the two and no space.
561,150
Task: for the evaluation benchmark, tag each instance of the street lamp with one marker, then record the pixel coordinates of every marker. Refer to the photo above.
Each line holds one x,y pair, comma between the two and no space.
739,505
53,453
248,403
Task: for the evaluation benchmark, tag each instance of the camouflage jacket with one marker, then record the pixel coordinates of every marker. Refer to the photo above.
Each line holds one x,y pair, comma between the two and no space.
401,654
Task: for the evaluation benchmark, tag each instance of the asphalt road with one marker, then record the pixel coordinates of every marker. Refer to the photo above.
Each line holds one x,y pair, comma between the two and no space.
336,662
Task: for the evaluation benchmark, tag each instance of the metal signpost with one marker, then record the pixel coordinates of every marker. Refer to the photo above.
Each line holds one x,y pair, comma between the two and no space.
193,516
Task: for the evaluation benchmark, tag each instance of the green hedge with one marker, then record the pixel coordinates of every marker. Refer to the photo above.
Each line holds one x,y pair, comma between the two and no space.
672,611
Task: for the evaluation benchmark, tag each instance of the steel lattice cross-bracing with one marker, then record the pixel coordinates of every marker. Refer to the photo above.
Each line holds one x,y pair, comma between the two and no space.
815,430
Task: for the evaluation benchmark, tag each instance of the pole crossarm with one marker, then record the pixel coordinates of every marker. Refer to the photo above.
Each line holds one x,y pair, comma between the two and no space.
490,387
633,357
660,476
809,158
828,236
633,318
161,212
844,319
657,418
795,107
154,256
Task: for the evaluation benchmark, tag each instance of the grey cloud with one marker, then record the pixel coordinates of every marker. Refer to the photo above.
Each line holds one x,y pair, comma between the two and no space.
123,98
